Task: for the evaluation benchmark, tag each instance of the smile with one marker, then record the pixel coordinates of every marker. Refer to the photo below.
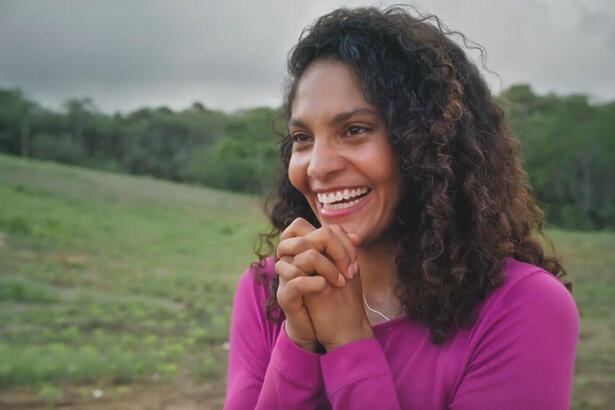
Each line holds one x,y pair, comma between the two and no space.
342,203
345,198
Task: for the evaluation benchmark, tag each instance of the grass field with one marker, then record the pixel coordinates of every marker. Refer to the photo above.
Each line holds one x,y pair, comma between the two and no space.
123,285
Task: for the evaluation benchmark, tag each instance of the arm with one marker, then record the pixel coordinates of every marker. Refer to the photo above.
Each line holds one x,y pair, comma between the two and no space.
266,370
355,371
520,357
357,376
523,356
293,379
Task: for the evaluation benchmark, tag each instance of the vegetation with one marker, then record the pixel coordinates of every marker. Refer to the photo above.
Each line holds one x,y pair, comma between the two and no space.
568,146
115,279
112,279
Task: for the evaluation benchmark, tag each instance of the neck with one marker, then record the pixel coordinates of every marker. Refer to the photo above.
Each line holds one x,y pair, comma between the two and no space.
378,272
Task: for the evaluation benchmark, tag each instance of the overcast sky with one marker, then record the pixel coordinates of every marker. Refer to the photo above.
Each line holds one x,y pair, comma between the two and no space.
231,54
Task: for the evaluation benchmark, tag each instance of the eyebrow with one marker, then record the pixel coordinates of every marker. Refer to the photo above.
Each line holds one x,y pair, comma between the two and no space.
337,119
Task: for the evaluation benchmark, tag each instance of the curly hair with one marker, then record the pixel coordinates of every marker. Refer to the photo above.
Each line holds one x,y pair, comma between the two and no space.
466,204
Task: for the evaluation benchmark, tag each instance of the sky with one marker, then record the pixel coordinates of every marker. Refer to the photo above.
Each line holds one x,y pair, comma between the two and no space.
231,54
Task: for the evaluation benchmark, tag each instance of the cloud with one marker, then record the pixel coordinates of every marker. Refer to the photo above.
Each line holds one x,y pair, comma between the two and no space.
232,54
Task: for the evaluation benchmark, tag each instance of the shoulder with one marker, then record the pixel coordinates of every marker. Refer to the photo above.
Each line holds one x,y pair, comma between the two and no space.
254,284
533,299
522,345
257,278
533,285
249,319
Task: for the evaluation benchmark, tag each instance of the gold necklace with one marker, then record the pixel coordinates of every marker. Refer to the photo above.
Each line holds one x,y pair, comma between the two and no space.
371,309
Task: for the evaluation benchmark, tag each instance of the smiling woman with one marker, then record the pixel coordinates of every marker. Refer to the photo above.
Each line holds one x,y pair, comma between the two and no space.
406,274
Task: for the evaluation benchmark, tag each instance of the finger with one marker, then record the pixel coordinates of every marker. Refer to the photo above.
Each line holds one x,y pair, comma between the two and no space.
350,249
287,270
354,238
298,227
324,239
290,296
292,246
314,261
328,241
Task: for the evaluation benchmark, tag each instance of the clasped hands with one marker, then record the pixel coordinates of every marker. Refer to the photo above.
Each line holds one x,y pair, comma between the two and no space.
320,286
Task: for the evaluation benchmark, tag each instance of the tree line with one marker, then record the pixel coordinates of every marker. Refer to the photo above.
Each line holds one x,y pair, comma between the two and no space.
568,146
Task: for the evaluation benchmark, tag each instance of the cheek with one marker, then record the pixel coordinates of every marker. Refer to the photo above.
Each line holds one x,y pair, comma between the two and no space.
296,173
389,174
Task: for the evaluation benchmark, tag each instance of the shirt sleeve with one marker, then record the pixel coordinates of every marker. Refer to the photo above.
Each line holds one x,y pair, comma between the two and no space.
293,379
266,369
523,352
357,376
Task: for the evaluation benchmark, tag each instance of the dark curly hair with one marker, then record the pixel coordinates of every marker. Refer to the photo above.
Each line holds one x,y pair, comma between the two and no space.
466,203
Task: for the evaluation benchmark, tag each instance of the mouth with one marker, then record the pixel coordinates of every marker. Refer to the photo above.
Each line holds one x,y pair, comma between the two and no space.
342,202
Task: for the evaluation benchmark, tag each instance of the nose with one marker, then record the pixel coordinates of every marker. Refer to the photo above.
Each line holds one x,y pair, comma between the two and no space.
325,159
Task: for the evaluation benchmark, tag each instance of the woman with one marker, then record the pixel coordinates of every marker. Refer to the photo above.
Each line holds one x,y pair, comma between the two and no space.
406,275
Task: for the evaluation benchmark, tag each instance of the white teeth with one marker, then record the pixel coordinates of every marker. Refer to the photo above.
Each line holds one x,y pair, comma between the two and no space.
341,206
340,195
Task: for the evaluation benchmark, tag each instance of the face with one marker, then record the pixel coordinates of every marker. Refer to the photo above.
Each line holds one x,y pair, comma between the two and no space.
341,160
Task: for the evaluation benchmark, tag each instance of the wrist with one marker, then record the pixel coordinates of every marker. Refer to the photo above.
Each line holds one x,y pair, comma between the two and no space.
365,332
309,345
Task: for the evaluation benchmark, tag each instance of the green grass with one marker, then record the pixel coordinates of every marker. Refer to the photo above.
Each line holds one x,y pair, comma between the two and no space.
115,279
590,260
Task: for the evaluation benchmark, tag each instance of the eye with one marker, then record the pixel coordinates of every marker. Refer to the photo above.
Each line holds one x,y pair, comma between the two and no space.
300,138
356,130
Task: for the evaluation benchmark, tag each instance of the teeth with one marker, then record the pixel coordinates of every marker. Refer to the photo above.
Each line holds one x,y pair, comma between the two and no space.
341,206
331,197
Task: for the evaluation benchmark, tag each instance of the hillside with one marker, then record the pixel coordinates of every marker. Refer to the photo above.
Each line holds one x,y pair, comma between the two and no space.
112,279
123,285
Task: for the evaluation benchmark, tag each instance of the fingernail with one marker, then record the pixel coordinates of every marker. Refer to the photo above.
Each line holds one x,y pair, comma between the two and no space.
340,279
355,267
351,271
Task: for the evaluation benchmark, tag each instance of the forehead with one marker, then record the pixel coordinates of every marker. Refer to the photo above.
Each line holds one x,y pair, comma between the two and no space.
325,89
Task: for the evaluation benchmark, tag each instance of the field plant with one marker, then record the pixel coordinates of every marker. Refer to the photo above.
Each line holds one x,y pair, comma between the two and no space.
110,279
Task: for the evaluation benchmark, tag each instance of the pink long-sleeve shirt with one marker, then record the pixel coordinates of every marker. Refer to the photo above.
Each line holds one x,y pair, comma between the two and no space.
519,354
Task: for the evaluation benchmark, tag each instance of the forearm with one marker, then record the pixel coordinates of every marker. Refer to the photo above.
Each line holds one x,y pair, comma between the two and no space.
293,378
357,376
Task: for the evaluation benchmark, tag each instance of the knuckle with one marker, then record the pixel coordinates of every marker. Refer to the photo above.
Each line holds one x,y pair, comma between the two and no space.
295,272
297,223
303,243
312,255
279,250
284,292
